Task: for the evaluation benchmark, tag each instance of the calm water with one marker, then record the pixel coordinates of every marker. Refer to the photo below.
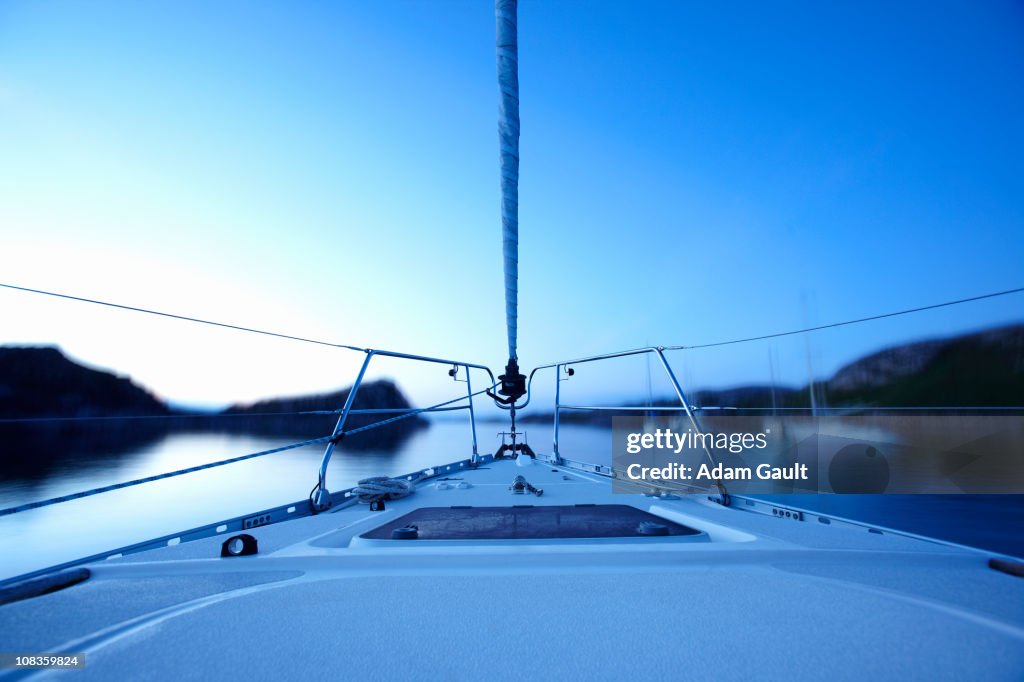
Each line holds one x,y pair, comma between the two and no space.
42,537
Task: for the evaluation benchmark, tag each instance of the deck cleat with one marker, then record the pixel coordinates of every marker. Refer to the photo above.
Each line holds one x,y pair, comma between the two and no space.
520,486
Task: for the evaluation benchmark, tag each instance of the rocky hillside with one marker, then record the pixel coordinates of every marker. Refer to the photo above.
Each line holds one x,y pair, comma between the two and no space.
43,382
981,369
382,394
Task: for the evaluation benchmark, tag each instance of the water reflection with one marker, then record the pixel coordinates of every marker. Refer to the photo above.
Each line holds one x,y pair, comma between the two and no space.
41,537
34,452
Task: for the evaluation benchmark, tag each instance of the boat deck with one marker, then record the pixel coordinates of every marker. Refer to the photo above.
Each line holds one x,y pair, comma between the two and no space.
793,599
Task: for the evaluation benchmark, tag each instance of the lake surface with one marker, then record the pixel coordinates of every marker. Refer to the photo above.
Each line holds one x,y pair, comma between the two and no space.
42,537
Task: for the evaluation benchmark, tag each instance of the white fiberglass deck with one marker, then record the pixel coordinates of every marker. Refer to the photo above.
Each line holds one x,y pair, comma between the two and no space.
779,598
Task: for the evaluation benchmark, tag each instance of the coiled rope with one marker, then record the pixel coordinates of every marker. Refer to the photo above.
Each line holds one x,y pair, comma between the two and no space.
383,488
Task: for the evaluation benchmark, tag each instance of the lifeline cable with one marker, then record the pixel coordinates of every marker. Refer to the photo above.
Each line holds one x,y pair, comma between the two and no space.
848,322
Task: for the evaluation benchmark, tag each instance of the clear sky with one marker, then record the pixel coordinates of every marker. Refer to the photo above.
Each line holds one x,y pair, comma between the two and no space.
690,172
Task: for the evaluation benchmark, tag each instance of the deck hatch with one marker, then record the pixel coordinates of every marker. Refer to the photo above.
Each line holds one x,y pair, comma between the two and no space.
530,523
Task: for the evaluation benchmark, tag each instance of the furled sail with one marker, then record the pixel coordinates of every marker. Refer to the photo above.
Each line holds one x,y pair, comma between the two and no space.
508,135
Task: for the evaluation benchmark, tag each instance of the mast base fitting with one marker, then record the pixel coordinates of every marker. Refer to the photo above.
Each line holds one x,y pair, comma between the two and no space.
513,382
321,501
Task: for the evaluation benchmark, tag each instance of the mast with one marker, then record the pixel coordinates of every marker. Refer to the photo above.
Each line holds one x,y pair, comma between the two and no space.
508,140
513,383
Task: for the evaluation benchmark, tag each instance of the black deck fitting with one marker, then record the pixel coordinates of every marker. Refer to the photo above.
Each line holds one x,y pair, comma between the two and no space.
509,450
513,382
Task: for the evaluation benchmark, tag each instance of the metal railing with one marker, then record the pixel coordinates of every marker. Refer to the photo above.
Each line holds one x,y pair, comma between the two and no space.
322,498
565,367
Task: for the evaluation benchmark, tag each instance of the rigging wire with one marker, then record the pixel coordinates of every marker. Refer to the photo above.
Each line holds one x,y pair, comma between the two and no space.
150,479
848,322
206,415
133,417
182,317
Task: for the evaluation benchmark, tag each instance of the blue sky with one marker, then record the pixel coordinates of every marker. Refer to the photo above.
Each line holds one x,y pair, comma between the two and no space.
690,172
